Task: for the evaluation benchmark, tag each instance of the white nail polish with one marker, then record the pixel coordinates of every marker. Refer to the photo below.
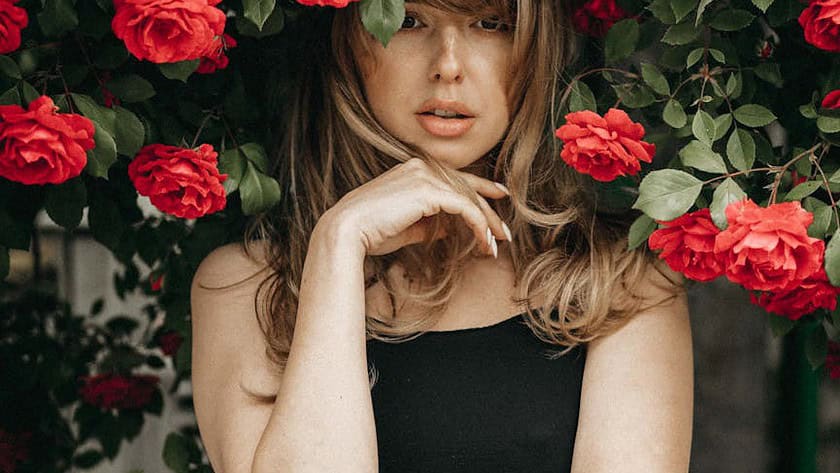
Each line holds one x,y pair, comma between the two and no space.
489,237
507,231
502,187
495,249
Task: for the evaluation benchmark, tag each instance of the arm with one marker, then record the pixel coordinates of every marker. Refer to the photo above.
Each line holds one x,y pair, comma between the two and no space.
636,409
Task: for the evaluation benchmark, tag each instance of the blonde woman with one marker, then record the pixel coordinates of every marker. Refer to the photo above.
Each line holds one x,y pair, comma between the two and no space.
437,291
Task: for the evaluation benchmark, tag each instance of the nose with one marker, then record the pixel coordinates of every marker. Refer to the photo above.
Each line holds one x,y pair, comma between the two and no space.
447,65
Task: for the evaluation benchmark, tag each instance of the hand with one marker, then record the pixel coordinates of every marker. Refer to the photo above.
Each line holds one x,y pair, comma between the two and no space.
392,210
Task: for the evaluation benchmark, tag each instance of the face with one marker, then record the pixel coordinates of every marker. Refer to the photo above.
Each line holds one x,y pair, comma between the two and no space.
447,62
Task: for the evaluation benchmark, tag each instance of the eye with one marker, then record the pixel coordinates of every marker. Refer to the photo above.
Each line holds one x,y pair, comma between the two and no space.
409,22
494,23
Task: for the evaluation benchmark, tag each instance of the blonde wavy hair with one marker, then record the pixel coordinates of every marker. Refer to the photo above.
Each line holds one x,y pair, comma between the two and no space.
565,250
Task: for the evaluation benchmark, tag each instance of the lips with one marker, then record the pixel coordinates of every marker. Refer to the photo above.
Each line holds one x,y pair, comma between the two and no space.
429,106
441,126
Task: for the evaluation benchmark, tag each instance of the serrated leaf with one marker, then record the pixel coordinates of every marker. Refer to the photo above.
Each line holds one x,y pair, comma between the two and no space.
65,202
770,72
274,24
640,230
732,84
58,17
103,155
581,97
621,40
9,67
731,19
753,115
257,11
382,18
700,9
802,190
180,70
828,124
808,111
662,10
666,194
718,55
700,156
722,124
257,191
832,259
681,8
129,132
102,115
693,57
682,33
740,149
654,78
727,192
762,5
823,216
703,127
232,163
131,88
835,178
674,115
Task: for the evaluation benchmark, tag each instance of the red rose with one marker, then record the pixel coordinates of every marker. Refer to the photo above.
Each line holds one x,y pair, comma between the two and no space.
605,147
326,3
688,244
12,20
768,249
41,146
821,22
179,181
217,58
14,449
170,342
164,31
812,294
596,17
831,99
155,283
114,391
832,360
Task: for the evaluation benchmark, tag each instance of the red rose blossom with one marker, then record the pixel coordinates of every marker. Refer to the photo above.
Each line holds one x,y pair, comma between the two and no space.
170,342
821,24
595,17
155,283
40,146
832,360
605,147
688,244
164,31
114,391
768,249
831,99
12,20
179,181
14,449
813,293
326,3
216,59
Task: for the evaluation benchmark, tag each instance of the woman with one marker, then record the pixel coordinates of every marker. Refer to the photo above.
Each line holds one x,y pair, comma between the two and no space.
423,293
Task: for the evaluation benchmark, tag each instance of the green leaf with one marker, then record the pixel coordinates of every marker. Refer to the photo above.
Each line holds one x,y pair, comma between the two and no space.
808,110
654,78
731,19
662,10
700,156
753,115
29,93
666,194
640,230
802,190
700,9
382,18
634,95
828,124
832,259
674,115
581,97
816,346
703,127
722,124
682,8
835,178
232,163
65,202
258,11
131,88
57,18
10,97
176,452
4,262
740,149
9,67
821,225
762,5
621,40
718,55
256,155
693,57
770,72
129,132
88,107
733,85
257,191
180,70
727,192
103,155
682,33
274,24
780,325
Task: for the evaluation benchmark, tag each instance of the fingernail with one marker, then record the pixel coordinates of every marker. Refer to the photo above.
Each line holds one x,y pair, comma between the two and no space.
489,237
502,187
495,249
507,231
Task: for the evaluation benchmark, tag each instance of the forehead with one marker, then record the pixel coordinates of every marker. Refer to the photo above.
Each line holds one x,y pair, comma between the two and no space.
470,6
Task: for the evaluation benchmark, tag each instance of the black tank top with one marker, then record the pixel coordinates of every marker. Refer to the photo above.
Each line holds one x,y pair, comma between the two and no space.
484,399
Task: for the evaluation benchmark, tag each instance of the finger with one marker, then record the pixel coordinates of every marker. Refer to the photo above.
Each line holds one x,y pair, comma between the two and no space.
418,232
486,187
497,225
456,204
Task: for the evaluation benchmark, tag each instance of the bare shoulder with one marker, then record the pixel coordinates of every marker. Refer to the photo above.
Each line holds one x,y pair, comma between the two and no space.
637,402
229,354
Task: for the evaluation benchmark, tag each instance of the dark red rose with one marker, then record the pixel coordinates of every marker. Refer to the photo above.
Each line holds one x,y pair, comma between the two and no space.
764,49
14,449
831,99
164,31
768,249
832,360
595,17
182,182
813,293
40,146
821,24
155,283
604,147
170,342
217,58
12,20
114,391
688,244
326,3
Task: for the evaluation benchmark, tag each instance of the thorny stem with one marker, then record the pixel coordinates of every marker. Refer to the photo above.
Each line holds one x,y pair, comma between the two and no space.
200,128
816,162
783,168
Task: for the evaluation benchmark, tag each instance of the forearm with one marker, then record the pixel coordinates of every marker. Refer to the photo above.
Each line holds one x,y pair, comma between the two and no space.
323,416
